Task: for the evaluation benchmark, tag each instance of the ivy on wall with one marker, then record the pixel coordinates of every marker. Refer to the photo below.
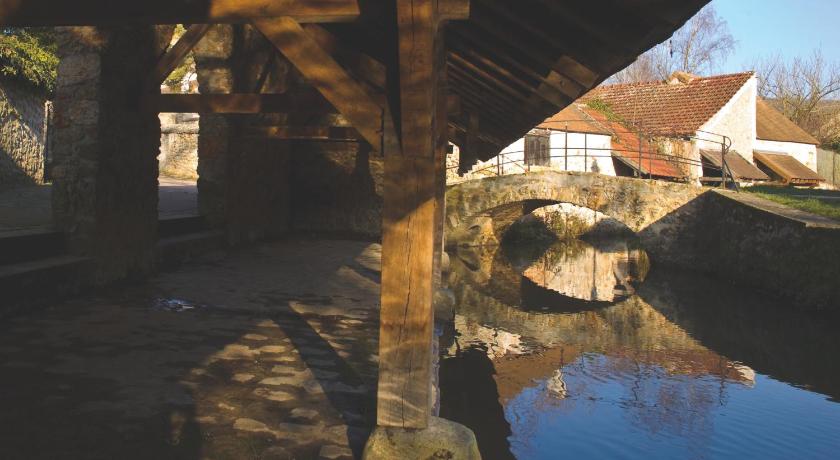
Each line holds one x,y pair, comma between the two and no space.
29,56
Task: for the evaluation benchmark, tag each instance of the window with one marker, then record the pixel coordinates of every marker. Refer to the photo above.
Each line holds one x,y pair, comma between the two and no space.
537,152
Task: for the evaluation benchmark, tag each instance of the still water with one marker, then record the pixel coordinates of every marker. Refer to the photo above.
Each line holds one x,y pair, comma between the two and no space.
582,350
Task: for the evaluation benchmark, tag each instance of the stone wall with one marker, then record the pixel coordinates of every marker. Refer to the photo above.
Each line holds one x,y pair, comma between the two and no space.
337,189
752,242
243,183
179,145
23,131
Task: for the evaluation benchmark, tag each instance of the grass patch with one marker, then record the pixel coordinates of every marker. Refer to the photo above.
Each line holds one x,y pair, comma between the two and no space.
822,202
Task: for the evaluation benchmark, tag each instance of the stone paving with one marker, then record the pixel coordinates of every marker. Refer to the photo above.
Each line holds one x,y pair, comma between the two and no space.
264,353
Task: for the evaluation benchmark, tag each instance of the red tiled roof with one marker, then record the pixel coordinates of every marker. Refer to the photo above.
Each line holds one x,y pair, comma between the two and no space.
574,119
771,125
626,148
668,109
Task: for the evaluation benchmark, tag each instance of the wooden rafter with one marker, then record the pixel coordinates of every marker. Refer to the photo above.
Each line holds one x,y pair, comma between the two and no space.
322,133
24,13
306,102
480,50
177,52
351,98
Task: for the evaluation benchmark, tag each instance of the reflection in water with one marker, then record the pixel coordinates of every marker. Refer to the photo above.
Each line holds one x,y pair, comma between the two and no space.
676,366
579,270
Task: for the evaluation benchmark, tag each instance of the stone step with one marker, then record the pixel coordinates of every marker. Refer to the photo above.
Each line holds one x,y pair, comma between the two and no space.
180,225
43,278
175,250
28,245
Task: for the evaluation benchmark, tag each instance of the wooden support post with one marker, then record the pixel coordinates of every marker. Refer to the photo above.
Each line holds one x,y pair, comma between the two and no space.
408,228
468,150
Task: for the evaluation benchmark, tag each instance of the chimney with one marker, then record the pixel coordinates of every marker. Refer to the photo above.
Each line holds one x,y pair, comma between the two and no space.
681,77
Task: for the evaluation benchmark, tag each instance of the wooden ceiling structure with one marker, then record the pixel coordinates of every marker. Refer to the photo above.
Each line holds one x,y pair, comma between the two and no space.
512,64
390,68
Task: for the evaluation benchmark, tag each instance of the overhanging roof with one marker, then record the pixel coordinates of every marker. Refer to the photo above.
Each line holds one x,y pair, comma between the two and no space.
516,63
513,63
771,125
788,168
740,167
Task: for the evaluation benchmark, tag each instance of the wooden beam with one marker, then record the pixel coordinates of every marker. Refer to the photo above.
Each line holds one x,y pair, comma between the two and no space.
362,65
307,102
469,152
176,53
453,103
453,10
554,82
544,92
408,227
327,76
30,13
503,38
319,133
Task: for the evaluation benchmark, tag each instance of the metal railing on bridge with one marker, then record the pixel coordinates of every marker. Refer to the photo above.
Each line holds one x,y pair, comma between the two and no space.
517,161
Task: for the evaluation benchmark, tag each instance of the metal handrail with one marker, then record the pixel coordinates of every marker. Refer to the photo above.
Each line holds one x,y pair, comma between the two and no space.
650,155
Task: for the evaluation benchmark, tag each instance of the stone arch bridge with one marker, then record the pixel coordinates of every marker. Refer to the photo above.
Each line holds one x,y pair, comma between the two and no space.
479,212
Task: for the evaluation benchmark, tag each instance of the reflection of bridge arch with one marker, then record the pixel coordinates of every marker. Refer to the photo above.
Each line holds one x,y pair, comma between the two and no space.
493,277
503,200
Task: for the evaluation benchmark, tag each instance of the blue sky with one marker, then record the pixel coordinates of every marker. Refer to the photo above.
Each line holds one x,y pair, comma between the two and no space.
788,27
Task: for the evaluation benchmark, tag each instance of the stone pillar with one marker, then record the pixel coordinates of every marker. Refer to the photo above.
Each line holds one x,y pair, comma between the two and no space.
213,56
105,148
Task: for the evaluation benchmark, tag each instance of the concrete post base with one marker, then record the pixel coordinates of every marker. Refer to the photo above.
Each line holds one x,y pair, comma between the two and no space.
442,439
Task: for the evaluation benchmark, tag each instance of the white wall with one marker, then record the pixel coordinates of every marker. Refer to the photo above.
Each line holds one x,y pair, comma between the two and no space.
737,120
804,153
596,158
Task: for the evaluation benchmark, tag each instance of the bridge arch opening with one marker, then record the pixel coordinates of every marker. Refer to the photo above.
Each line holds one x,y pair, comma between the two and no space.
565,221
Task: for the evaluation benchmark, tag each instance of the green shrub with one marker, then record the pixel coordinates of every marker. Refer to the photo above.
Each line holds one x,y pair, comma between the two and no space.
29,56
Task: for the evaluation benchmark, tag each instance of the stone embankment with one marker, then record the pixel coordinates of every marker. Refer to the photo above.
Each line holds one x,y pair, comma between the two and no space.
753,242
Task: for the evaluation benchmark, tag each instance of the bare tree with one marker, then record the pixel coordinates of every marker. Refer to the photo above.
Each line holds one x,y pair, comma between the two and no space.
801,89
698,47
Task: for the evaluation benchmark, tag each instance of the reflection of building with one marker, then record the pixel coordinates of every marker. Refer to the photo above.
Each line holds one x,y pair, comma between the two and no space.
631,330
669,130
584,272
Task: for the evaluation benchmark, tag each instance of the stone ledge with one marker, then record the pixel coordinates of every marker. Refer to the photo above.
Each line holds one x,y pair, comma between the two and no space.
807,219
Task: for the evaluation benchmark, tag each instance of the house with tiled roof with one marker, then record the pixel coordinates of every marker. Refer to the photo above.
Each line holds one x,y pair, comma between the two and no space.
673,129
778,138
